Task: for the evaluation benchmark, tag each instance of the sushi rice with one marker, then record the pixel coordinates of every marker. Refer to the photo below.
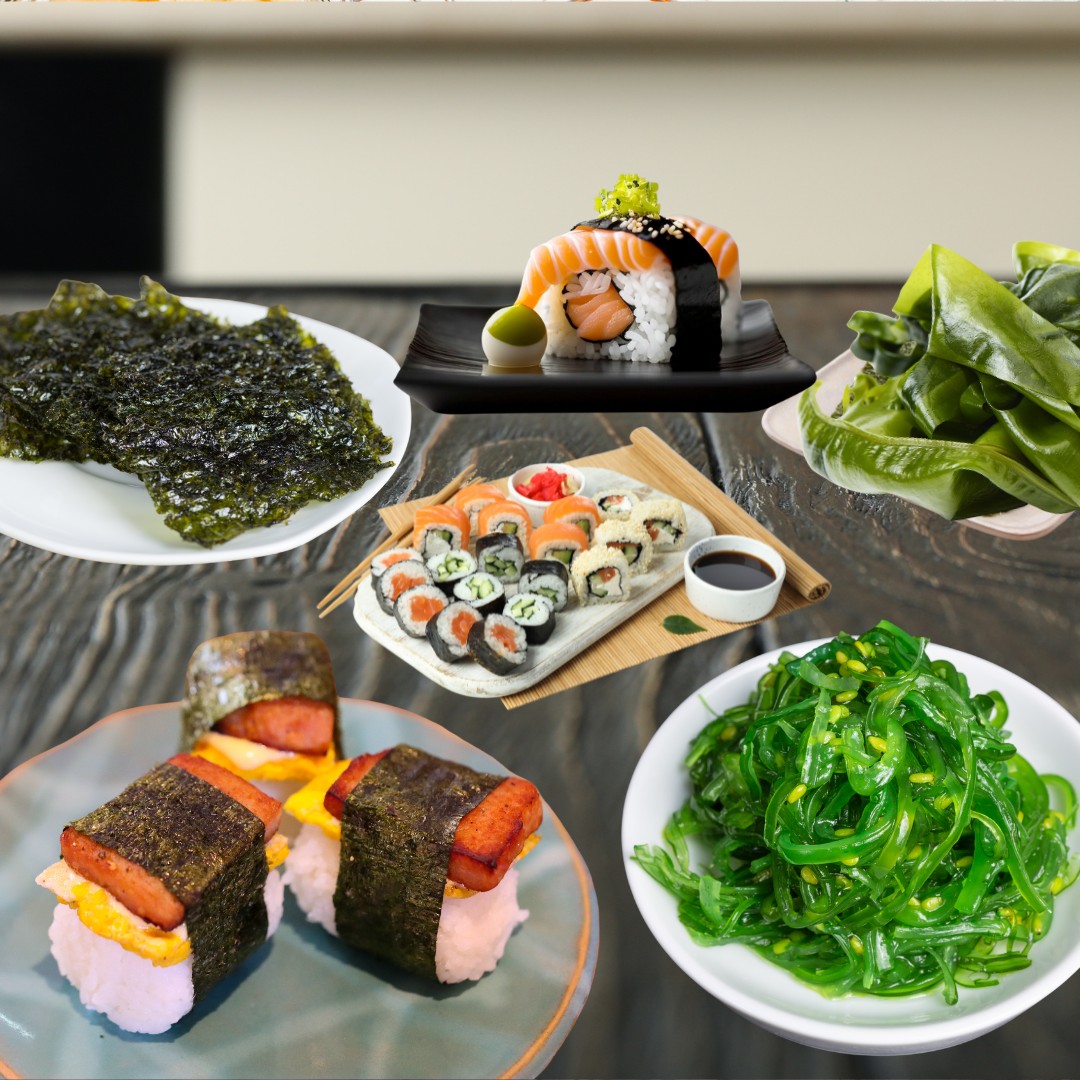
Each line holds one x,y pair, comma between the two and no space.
473,930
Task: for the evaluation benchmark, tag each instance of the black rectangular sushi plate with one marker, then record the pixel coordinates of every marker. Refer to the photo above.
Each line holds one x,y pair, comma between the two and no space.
445,370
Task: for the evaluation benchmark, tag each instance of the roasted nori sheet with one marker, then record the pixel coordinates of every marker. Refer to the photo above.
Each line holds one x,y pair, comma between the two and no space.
397,831
228,427
226,673
206,849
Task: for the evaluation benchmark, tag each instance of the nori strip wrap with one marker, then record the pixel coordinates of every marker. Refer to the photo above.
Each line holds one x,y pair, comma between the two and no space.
397,831
697,288
226,673
228,427
206,849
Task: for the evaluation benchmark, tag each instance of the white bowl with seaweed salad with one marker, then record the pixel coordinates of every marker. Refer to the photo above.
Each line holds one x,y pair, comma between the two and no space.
840,948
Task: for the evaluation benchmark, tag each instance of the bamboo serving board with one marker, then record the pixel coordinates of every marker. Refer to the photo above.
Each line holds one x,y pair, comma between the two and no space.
637,635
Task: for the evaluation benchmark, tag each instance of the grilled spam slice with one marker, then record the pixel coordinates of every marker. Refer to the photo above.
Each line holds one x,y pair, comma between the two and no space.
297,724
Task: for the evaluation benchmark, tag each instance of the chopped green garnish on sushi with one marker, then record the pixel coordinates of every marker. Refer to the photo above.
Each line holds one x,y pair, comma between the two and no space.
868,825
632,194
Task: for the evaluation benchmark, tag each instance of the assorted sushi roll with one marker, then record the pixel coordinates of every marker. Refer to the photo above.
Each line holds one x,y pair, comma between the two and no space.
615,503
534,613
498,644
449,568
441,528
484,591
548,577
410,858
415,607
402,576
501,555
577,510
381,563
165,890
632,284
601,575
558,541
506,516
664,520
631,539
448,632
263,704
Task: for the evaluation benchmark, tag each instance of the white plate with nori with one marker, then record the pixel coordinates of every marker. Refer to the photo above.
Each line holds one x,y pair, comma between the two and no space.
95,512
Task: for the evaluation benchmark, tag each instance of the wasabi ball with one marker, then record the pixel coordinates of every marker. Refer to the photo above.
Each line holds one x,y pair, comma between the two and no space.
514,337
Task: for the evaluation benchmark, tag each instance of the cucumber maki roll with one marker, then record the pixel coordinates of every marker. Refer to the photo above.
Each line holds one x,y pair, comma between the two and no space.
500,555
484,591
498,644
448,632
411,858
548,577
449,568
164,891
534,613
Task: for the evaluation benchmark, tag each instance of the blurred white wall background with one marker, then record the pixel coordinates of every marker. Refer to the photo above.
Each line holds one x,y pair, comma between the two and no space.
441,142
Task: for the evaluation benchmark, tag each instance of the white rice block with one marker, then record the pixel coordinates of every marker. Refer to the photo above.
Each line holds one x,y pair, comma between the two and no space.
133,993
473,931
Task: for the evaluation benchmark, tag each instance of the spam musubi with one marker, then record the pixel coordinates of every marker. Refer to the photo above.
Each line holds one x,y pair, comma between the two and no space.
410,857
264,704
164,890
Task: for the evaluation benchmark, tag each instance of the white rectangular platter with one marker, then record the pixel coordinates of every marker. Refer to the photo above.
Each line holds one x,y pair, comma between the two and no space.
576,627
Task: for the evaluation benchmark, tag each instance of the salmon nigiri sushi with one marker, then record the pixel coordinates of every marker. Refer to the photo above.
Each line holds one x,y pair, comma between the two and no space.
633,284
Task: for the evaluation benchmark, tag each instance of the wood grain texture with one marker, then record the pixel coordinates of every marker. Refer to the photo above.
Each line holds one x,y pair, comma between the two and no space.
79,640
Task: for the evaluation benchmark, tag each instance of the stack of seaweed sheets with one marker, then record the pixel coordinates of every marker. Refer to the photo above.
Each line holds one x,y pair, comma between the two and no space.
229,427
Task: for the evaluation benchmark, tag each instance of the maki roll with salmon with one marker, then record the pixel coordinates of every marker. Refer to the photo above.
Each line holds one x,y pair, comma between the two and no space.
498,644
415,608
397,579
633,284
381,563
165,890
440,528
263,704
410,857
448,632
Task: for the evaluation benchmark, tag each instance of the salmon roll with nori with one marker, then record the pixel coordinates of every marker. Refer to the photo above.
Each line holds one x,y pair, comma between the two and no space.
165,890
505,517
448,632
404,575
381,563
416,607
440,528
411,858
498,644
263,703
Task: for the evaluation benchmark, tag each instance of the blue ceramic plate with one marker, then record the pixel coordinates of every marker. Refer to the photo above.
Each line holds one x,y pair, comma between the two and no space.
306,1005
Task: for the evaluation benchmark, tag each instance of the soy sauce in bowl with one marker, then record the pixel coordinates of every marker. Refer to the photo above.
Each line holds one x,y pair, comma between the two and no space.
737,570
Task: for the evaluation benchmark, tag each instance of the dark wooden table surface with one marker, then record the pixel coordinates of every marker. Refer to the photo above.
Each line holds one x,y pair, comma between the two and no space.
79,640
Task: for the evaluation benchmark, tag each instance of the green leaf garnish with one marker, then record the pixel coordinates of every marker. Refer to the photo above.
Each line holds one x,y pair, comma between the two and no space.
680,624
632,194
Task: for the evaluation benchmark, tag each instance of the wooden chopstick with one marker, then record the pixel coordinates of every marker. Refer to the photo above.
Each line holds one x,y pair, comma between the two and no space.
348,584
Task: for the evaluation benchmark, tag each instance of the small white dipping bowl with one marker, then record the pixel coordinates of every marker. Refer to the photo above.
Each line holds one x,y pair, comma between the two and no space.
536,507
733,605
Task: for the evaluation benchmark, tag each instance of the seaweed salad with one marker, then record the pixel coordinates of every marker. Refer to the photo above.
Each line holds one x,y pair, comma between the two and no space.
229,427
868,825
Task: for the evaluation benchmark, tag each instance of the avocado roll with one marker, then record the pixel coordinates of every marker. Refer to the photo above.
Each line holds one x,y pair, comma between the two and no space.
449,568
164,891
500,555
548,577
534,613
411,858
484,591
263,704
